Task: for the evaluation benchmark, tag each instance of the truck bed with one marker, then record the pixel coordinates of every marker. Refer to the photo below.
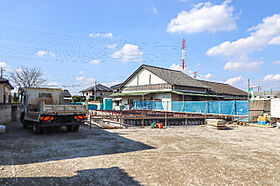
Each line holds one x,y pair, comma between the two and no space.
62,109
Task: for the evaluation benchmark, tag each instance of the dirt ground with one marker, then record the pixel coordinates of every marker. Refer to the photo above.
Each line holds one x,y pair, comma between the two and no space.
174,156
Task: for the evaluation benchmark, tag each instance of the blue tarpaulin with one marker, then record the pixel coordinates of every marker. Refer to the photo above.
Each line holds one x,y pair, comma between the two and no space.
211,107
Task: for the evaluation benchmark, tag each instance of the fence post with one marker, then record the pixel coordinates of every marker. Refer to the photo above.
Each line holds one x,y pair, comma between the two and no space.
234,103
90,121
186,120
165,120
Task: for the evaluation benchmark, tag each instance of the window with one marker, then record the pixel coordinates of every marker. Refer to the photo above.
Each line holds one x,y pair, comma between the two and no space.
150,79
45,95
138,80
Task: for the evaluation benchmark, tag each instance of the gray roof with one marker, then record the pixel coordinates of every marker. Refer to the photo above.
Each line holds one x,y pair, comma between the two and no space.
3,80
99,87
66,93
116,86
173,77
222,88
268,93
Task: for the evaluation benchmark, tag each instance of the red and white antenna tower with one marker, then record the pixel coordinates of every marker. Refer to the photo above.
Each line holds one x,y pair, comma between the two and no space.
183,54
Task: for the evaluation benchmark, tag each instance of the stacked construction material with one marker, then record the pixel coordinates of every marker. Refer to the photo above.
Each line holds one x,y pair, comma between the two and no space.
219,124
264,120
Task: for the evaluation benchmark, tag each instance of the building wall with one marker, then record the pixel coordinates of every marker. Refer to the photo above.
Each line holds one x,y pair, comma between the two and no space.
5,90
1,93
144,79
9,112
101,94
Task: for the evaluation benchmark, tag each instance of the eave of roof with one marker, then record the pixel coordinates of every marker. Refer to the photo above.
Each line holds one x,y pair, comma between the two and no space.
156,71
171,91
5,81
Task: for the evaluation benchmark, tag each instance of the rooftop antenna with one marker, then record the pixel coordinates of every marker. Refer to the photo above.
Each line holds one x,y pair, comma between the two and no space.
183,54
195,75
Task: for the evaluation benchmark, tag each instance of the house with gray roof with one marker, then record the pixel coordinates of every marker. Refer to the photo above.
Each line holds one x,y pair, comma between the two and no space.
152,83
100,90
5,90
266,95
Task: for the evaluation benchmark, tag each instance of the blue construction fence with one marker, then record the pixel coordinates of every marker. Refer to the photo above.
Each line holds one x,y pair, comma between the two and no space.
211,107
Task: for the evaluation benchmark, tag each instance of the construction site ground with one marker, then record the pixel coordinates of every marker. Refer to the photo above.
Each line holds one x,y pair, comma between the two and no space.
140,156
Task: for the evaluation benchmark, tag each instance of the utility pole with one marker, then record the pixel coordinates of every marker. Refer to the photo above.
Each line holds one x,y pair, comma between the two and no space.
248,100
183,54
2,71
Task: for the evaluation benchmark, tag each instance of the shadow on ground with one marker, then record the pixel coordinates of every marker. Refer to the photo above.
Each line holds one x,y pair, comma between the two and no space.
21,146
102,176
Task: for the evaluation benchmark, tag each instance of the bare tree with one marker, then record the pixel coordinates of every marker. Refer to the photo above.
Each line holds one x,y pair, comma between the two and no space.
27,77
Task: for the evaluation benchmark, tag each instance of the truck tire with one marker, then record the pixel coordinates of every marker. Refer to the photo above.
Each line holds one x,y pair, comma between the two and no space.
37,129
69,128
76,128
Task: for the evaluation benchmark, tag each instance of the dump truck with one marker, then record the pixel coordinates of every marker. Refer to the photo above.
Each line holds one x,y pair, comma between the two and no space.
44,107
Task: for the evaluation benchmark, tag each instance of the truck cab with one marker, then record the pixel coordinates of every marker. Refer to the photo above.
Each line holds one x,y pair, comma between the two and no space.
44,107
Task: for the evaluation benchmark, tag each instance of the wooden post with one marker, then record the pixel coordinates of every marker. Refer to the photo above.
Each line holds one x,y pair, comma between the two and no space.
142,121
90,121
186,120
165,120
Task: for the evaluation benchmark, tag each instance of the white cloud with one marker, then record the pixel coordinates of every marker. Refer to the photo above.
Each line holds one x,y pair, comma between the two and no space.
264,33
234,80
204,17
95,62
208,76
271,77
275,41
109,35
176,67
81,78
53,84
243,66
113,46
128,52
52,54
44,53
155,10
41,53
111,83
276,62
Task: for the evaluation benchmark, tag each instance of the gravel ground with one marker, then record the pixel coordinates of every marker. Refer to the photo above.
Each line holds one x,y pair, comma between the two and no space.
174,156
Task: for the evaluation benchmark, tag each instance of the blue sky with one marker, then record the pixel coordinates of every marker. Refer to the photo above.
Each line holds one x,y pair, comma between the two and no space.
78,42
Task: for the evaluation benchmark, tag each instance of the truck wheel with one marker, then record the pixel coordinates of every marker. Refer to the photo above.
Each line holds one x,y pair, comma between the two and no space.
76,128
36,129
24,124
69,128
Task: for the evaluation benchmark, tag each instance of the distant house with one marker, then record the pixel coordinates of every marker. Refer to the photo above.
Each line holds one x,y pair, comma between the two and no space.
117,101
101,91
265,95
5,91
160,84
67,96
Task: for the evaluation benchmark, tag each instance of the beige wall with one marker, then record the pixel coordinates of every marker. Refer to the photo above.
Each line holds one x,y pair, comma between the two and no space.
4,90
144,79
